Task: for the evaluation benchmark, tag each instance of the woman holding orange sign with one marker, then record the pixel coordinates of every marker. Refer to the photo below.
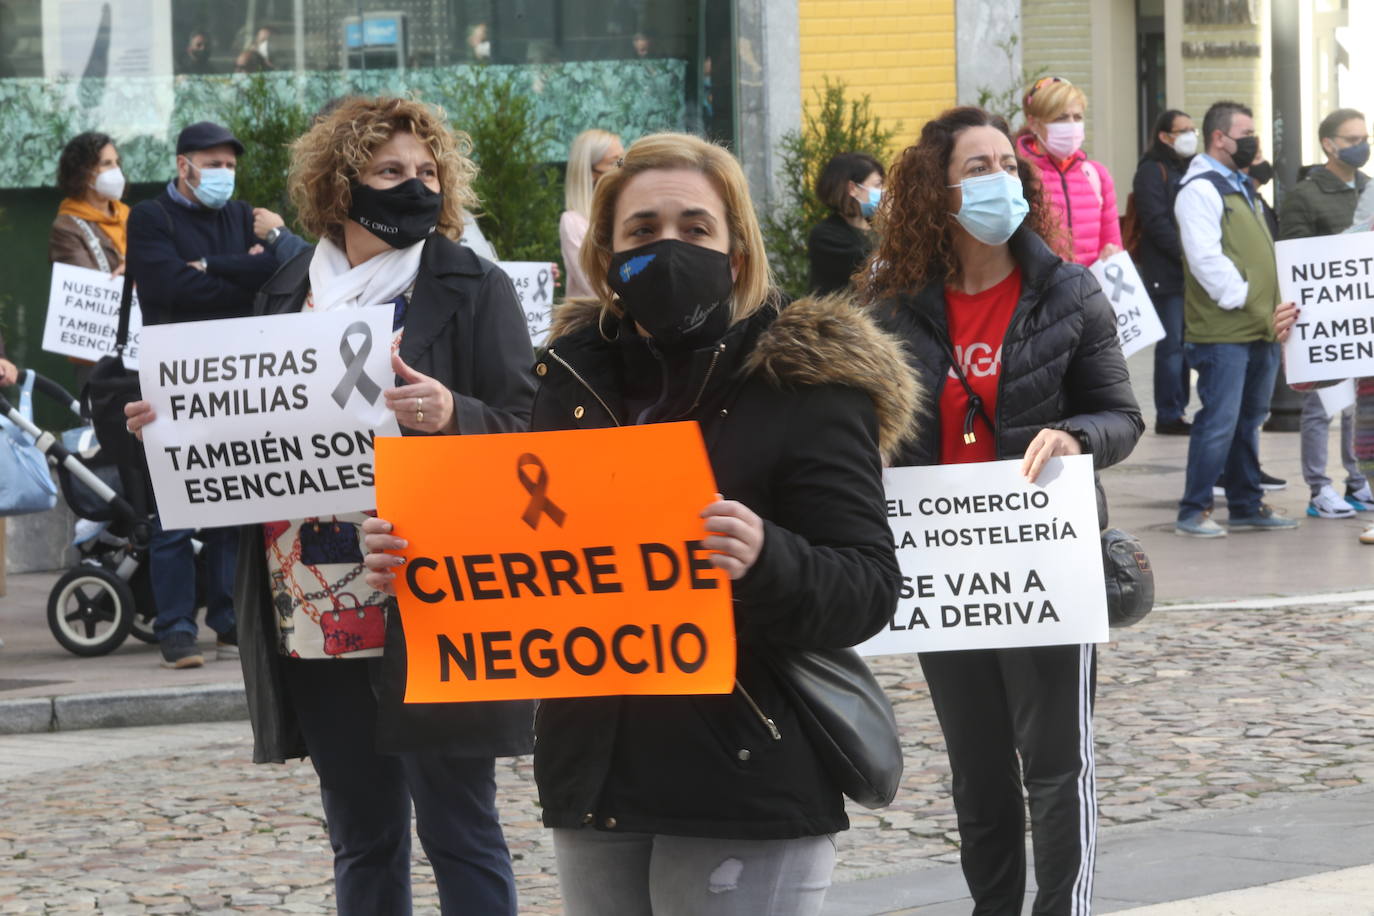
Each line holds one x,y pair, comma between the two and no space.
717,804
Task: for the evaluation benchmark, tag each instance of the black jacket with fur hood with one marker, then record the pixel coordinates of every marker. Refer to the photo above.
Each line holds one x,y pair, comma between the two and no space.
1062,366
797,409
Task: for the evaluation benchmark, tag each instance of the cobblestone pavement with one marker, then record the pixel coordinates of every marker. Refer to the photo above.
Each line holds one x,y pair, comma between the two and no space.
1198,709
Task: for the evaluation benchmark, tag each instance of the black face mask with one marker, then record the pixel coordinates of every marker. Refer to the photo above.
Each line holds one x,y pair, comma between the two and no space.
676,291
1261,173
399,216
1247,148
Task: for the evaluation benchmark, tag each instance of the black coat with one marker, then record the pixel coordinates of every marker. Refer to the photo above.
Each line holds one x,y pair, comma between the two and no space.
1160,257
464,326
793,409
1061,364
165,236
836,249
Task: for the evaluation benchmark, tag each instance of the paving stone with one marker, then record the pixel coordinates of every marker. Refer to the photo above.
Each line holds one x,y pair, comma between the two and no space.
1196,711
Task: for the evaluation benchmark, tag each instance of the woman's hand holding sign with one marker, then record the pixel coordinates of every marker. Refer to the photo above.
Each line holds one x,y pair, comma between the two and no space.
377,539
422,404
736,532
1285,316
138,414
1047,444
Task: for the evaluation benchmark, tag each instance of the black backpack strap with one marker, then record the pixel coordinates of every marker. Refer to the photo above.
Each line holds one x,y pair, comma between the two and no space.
126,307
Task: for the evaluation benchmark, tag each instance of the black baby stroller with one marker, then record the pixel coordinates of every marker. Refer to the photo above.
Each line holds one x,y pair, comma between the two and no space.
96,604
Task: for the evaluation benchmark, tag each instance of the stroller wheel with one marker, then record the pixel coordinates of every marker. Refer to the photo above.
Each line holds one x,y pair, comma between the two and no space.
90,611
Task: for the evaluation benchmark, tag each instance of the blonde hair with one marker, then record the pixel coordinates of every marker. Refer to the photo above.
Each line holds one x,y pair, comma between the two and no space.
1049,97
666,152
331,157
588,148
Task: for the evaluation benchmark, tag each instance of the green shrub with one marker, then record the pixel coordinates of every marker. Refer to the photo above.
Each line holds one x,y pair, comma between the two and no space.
838,125
262,113
521,195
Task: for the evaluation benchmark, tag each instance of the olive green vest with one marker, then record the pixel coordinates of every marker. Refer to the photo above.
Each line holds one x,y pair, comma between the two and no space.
1246,240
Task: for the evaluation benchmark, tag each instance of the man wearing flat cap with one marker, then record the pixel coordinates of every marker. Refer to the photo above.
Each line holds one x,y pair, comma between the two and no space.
193,256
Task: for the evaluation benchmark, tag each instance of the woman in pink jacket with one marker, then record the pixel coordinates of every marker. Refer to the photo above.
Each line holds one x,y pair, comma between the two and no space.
1080,190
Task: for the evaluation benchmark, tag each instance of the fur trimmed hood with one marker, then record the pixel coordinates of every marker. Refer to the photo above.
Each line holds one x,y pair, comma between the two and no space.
816,340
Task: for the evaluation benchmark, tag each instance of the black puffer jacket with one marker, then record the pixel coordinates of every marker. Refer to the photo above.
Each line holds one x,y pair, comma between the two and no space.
1160,257
1061,364
793,408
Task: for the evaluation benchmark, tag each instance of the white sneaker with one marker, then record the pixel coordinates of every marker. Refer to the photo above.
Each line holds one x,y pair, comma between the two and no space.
1329,504
1361,500
1367,536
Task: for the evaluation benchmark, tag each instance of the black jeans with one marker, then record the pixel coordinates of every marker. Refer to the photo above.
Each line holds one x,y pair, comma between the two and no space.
367,799
996,704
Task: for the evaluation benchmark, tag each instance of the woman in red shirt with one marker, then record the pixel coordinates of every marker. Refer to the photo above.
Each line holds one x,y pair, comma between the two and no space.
1019,347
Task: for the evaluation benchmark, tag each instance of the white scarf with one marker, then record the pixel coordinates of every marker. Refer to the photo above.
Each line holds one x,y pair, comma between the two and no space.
335,284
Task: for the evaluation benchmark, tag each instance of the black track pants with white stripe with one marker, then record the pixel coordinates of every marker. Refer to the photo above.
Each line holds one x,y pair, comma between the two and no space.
992,705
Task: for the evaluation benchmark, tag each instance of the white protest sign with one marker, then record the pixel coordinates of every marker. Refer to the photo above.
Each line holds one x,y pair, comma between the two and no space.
264,419
1337,397
83,315
1137,322
534,285
1331,278
990,561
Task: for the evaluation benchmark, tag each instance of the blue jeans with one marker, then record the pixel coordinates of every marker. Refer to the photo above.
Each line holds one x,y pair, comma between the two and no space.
172,572
1235,383
367,800
1171,366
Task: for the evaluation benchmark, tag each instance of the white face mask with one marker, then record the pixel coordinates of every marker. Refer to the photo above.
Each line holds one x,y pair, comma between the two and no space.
1064,138
1185,144
110,183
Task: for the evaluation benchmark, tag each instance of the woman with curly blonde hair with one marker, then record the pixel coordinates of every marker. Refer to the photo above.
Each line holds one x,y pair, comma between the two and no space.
1018,347
382,183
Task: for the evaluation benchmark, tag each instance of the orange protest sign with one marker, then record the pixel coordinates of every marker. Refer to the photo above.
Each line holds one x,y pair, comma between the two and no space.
558,564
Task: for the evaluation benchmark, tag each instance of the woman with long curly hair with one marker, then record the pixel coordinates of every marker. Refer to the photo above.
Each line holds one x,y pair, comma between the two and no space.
1019,350
382,183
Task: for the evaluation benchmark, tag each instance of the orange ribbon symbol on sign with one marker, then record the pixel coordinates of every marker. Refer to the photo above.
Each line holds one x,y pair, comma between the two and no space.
538,488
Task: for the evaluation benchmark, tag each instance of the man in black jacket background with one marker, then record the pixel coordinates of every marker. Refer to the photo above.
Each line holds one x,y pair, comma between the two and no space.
1324,203
193,256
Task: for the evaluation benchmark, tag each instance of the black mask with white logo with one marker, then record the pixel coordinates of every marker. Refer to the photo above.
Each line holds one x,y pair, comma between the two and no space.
676,291
399,216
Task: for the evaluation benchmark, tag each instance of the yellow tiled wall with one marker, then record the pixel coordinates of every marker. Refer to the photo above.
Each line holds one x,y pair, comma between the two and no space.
899,52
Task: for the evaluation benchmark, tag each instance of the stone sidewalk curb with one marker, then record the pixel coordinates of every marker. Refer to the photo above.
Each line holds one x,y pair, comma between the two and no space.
124,708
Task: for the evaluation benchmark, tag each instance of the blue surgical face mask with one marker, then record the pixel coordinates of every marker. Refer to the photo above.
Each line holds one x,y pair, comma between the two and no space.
993,207
870,206
215,188
1355,156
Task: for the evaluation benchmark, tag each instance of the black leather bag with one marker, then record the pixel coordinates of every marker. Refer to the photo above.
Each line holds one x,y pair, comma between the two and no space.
847,718
1130,578
109,387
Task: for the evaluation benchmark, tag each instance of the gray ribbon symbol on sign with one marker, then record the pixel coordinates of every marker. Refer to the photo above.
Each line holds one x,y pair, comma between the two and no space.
354,361
1116,276
543,291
